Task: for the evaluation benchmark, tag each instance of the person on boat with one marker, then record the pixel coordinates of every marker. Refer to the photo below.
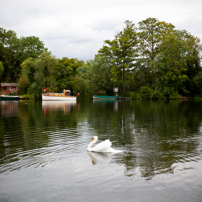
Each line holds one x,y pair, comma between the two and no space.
66,93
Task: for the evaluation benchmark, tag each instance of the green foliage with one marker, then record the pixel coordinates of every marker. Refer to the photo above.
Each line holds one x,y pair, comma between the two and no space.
172,61
198,81
145,92
65,74
157,94
47,71
121,54
13,51
99,75
23,84
132,95
153,61
157,62
27,47
40,73
175,95
151,33
1,68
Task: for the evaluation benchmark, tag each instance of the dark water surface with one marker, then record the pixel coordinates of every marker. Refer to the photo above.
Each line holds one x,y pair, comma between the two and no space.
43,155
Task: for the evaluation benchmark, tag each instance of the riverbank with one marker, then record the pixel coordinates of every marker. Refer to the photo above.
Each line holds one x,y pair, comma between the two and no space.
26,97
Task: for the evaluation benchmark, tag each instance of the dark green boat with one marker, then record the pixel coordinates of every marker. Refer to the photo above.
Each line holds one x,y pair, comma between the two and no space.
8,97
104,97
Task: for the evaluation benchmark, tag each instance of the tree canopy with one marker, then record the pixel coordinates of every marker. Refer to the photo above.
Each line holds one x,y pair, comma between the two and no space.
154,56
152,61
14,51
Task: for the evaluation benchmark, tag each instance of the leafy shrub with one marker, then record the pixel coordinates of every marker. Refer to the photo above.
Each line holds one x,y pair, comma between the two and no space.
23,85
146,92
132,95
157,94
175,95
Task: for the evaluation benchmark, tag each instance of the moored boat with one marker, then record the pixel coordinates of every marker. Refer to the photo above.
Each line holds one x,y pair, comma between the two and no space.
65,96
9,97
104,97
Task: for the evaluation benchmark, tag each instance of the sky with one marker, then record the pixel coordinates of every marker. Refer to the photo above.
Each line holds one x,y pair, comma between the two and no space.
78,28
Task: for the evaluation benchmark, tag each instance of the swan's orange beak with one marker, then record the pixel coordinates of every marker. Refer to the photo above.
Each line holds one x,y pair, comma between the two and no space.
92,139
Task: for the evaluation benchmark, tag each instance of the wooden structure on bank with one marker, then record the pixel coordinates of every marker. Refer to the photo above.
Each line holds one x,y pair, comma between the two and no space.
6,88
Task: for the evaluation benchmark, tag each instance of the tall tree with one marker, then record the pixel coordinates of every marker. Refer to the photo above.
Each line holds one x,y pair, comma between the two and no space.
7,48
151,33
99,75
121,53
65,73
14,51
171,62
26,47
40,73
1,68
193,60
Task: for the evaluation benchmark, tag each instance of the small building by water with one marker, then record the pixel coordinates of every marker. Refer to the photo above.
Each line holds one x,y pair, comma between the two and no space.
6,88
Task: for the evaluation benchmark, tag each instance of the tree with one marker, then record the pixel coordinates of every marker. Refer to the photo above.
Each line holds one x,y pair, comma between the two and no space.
7,44
99,75
65,74
27,47
1,68
14,51
46,71
171,62
121,54
40,73
198,81
151,34
193,60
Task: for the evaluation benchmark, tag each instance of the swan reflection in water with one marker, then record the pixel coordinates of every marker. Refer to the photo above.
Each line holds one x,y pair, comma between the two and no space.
101,151
104,157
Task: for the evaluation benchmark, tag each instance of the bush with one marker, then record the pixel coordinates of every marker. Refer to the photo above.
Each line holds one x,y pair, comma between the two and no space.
175,96
132,95
198,98
145,92
157,94
23,85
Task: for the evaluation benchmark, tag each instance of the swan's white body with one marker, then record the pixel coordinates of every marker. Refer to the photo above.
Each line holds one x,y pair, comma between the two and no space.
104,146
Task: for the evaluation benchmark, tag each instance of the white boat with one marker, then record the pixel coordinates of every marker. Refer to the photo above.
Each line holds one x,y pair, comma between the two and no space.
65,96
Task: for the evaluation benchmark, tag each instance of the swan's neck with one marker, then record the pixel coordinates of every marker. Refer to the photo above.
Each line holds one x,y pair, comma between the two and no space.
90,145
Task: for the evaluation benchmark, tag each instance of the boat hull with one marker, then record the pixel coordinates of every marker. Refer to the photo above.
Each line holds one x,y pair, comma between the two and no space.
103,97
7,97
58,98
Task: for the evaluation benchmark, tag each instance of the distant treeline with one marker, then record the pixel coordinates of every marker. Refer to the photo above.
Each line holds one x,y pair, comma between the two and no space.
151,61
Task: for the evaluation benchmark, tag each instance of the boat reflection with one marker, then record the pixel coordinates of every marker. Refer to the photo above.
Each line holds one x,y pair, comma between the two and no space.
65,106
104,103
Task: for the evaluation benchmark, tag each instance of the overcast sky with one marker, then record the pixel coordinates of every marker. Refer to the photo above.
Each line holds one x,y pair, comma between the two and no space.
78,28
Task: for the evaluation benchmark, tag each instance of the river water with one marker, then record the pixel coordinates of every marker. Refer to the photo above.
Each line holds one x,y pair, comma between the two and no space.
43,155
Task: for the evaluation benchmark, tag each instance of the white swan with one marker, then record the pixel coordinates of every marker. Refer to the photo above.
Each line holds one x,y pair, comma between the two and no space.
104,146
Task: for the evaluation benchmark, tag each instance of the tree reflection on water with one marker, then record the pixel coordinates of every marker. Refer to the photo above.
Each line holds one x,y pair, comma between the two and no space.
155,135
